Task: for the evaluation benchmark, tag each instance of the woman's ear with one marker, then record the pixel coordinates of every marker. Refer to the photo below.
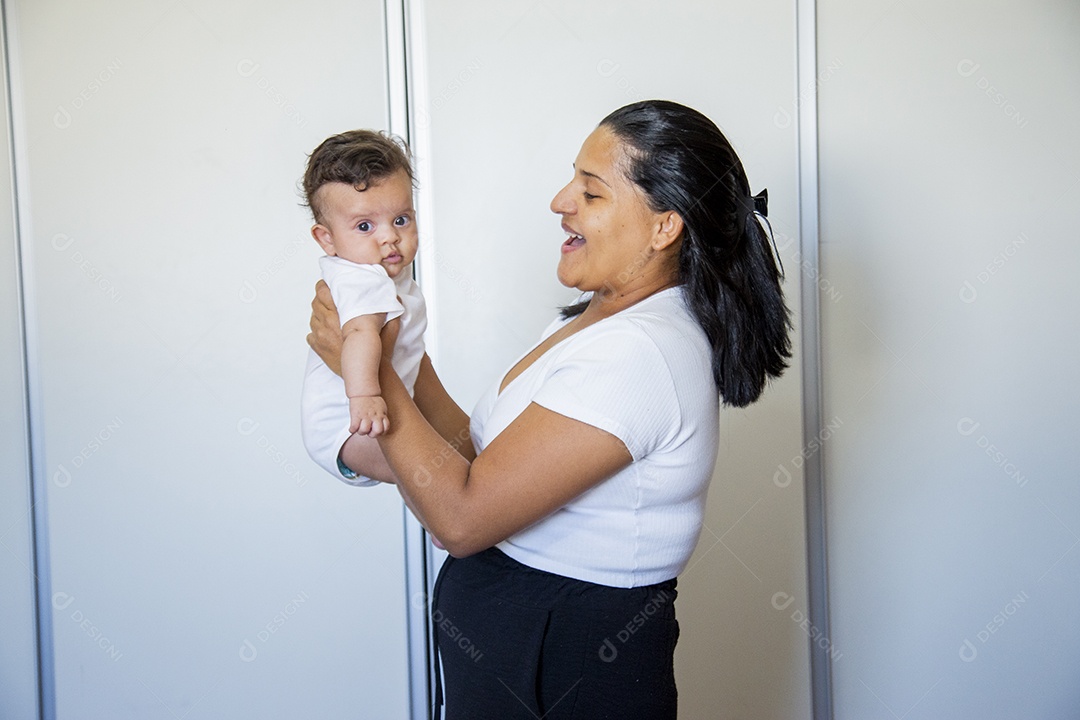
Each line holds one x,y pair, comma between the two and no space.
669,230
322,236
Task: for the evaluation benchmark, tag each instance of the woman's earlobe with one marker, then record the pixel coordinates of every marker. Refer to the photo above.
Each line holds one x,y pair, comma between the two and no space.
671,229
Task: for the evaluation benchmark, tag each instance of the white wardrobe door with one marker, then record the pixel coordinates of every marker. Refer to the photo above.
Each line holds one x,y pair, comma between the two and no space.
202,566
18,651
950,189
511,91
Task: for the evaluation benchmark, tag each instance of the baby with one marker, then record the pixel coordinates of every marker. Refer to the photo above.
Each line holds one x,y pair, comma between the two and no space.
359,187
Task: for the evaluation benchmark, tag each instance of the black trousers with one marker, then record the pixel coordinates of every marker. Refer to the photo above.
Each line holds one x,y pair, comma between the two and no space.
517,642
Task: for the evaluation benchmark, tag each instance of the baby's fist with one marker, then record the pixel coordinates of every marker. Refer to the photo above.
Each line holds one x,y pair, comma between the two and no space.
367,416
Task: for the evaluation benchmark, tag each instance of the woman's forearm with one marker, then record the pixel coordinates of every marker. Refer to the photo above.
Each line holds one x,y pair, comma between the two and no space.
363,455
440,410
431,473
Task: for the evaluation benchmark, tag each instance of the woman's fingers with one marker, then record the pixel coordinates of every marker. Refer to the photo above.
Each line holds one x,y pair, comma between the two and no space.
325,335
323,296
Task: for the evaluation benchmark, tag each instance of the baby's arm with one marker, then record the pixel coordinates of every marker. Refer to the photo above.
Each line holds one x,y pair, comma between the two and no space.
361,352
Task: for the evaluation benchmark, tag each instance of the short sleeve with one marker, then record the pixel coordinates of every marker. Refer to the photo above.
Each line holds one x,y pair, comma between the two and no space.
617,380
360,289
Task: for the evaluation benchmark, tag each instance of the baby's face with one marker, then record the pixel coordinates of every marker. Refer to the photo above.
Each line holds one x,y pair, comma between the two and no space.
373,227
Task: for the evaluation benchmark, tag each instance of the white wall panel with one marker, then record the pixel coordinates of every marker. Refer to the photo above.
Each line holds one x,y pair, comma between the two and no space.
18,651
202,566
513,89
950,188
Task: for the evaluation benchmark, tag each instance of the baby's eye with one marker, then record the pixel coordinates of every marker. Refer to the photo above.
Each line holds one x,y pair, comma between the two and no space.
364,227
401,221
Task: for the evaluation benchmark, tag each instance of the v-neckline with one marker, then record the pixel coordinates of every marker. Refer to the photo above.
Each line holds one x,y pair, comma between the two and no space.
503,388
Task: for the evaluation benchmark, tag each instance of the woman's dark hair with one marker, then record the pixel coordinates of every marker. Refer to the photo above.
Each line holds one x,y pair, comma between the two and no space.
683,163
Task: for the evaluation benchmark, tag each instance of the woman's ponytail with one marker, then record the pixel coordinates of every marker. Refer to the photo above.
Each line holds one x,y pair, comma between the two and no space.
735,295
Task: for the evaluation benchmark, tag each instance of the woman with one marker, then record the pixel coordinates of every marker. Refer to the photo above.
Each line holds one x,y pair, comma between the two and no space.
582,493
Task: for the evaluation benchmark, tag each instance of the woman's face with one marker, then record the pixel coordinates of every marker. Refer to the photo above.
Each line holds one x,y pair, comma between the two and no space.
608,221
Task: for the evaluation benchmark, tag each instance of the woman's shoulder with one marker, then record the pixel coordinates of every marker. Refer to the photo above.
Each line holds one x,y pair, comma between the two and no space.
659,329
664,318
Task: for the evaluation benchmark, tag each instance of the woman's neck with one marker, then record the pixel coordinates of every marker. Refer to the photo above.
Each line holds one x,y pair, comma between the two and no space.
608,301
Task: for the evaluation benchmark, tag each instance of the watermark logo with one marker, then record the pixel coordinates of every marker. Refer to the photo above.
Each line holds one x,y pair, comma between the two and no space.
62,242
249,288
968,650
608,651
62,118
782,118
248,651
247,427
968,292
783,477
609,69
782,601
62,601
62,477
248,68
967,68
809,269
967,426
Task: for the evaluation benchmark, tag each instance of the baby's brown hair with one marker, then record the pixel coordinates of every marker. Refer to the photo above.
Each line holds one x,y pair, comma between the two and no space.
360,158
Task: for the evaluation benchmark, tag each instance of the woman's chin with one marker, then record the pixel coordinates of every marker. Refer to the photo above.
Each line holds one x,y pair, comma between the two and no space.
566,281
566,276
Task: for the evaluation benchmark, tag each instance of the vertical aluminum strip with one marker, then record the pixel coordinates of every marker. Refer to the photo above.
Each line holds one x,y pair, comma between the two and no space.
814,471
419,119
419,114
39,526
395,14
397,87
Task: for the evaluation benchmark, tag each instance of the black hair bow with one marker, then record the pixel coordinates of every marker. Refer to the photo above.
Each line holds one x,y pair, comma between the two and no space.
760,203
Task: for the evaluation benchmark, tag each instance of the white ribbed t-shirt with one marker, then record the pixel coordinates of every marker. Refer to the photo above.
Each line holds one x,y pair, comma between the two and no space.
645,376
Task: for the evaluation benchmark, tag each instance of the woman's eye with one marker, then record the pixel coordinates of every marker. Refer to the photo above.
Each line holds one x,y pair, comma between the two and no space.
590,196
364,227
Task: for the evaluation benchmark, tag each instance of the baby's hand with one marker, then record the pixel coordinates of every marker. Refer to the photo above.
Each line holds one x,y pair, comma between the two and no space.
367,415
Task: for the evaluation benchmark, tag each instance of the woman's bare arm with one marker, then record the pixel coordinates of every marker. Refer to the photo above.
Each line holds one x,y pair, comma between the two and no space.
540,462
363,454
440,410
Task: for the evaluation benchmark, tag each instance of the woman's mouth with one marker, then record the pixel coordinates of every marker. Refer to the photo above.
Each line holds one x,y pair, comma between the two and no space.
573,242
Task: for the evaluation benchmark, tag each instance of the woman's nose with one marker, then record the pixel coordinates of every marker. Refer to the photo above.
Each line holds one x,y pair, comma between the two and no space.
561,204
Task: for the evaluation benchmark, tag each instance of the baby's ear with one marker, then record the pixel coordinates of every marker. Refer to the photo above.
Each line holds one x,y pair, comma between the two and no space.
322,236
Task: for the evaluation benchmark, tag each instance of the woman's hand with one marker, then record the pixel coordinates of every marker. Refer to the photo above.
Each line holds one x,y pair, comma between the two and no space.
325,335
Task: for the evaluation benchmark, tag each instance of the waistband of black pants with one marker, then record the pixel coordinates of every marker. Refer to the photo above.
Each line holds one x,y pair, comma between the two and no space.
496,573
